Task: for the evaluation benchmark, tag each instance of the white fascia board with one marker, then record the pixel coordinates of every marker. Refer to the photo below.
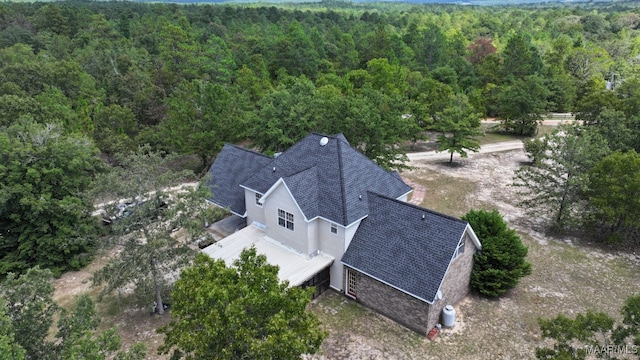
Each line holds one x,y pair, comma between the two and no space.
281,181
474,237
393,286
405,194
274,187
475,241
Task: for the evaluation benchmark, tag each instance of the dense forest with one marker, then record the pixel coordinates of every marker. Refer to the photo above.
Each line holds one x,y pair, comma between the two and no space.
84,83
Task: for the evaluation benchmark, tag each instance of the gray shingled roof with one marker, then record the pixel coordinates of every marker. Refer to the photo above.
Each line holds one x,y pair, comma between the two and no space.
395,245
232,166
337,188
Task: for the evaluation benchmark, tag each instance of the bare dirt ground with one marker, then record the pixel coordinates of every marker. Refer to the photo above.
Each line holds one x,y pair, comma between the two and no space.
566,279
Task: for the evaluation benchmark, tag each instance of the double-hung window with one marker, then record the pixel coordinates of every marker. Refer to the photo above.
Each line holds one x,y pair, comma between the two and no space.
285,219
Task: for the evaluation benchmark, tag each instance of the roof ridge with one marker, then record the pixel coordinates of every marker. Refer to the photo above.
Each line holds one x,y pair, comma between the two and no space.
301,171
400,202
342,189
249,150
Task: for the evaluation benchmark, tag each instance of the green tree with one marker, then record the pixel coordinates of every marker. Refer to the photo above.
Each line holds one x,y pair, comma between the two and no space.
45,215
459,127
502,262
591,331
522,104
295,53
178,50
219,64
239,312
145,229
201,117
377,125
615,128
9,347
588,62
595,100
521,58
555,183
613,188
30,309
115,128
285,116
77,336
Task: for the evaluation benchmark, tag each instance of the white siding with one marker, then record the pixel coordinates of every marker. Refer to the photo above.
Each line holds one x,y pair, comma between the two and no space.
254,212
296,239
332,244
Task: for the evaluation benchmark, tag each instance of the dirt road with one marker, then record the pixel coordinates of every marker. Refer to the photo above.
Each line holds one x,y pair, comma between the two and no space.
443,155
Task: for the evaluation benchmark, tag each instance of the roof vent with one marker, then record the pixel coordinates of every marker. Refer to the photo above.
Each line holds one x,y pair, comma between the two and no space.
360,197
274,169
324,141
423,216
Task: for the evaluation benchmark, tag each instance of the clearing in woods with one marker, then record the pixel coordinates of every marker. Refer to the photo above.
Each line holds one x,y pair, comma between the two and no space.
567,278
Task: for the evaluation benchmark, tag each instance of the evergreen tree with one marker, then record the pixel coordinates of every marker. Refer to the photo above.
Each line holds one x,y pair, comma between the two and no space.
502,262
459,127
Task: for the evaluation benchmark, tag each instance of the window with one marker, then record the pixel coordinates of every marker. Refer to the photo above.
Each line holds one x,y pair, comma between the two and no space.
352,278
334,228
258,197
460,248
285,219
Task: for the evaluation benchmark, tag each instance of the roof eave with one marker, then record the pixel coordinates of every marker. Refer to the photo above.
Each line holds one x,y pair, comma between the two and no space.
388,284
226,207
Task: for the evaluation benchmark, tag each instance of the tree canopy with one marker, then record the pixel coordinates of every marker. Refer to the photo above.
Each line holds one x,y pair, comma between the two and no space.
27,313
239,312
152,206
45,215
592,333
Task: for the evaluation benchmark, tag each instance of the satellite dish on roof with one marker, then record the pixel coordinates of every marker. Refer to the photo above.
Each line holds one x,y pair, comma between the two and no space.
324,141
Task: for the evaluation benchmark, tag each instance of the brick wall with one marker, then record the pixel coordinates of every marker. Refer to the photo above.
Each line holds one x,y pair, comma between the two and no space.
456,282
415,314
394,304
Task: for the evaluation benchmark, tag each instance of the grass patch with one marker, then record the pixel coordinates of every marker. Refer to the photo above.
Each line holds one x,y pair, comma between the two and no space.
443,193
493,134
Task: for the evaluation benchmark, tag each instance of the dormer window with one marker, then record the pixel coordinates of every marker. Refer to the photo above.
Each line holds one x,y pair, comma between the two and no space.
258,197
334,228
285,219
460,248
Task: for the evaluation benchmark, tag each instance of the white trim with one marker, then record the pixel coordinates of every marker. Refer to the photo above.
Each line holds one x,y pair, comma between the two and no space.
405,194
273,188
474,239
386,283
281,180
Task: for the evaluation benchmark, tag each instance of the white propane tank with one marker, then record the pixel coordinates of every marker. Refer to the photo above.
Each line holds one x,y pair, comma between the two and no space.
448,316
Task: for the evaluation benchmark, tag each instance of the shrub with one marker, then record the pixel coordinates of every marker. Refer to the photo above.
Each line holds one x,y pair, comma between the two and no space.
501,263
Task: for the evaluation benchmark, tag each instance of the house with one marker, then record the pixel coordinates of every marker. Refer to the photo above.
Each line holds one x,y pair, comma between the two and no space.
330,217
